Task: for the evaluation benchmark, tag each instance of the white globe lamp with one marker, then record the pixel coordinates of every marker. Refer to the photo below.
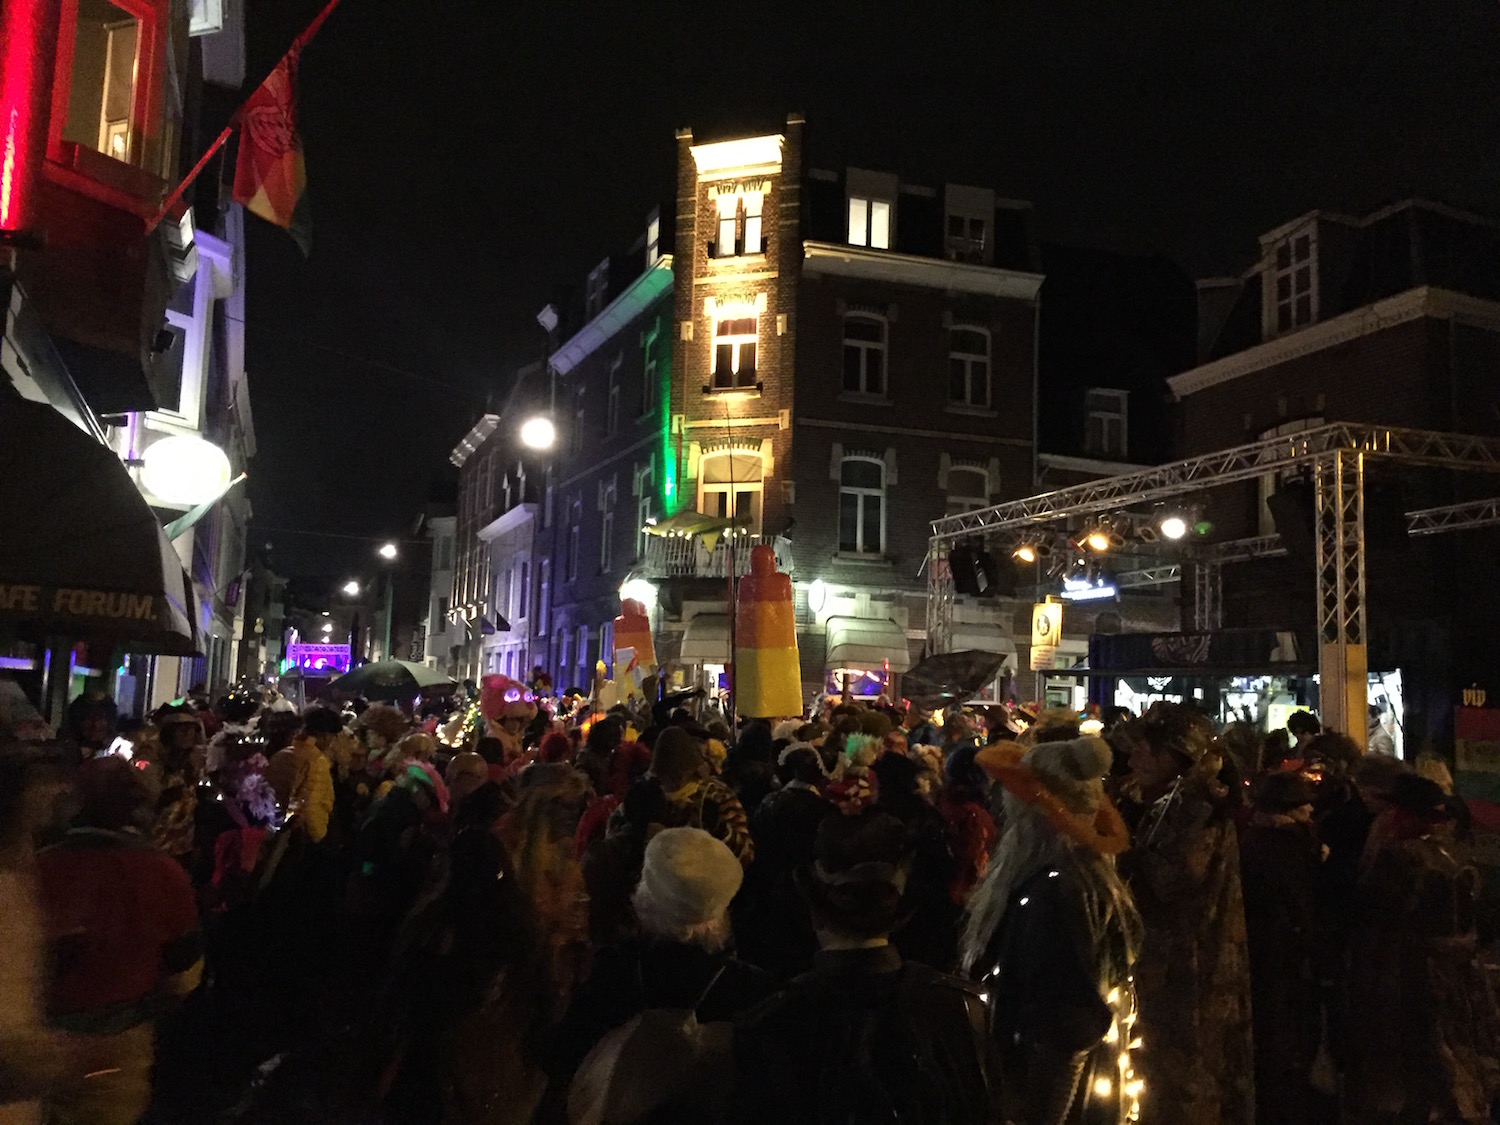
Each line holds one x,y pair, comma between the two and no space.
538,433
184,469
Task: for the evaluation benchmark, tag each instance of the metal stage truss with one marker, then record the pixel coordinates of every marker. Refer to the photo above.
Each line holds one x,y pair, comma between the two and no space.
1336,455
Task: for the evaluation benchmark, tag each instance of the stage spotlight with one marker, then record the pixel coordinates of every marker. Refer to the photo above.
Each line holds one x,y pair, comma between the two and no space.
1097,539
1174,526
1025,553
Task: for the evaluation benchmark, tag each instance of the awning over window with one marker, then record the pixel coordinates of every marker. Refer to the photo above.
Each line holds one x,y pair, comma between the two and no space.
867,643
706,639
974,636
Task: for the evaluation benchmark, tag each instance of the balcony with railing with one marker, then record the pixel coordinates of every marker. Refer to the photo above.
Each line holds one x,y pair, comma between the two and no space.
676,556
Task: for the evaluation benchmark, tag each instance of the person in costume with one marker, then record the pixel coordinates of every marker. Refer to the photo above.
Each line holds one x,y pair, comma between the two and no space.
1052,933
507,707
1193,976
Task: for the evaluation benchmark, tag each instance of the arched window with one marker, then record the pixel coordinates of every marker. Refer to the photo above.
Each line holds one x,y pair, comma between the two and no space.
862,506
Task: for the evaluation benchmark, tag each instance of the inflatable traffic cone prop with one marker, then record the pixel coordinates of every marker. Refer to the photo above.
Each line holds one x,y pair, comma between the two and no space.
767,673
633,632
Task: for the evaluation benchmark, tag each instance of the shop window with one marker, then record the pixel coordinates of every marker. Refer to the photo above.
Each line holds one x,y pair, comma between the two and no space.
861,506
734,353
864,354
730,485
105,74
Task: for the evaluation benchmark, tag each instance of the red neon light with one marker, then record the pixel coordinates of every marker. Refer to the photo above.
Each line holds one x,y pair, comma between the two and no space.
28,44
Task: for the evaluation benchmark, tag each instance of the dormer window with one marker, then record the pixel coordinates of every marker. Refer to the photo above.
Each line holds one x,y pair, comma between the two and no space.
104,74
1293,292
869,223
1106,429
596,290
965,238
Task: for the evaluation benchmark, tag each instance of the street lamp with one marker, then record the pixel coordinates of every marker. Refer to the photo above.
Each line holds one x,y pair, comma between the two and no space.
351,589
538,432
388,553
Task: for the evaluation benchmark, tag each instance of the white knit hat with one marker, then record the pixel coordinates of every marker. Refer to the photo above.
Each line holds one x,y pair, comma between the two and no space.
689,879
1073,771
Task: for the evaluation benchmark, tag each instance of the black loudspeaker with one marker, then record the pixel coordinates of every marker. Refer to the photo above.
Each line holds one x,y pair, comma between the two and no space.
967,575
978,573
1292,507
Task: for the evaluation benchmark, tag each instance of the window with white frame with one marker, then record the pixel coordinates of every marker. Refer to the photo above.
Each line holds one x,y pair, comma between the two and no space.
1294,290
612,407
861,506
864,354
968,365
503,592
565,661
650,392
578,421
543,596
968,489
730,485
549,497
596,290
606,525
575,536
870,223
1106,422
645,504
739,225
523,591
585,661
734,352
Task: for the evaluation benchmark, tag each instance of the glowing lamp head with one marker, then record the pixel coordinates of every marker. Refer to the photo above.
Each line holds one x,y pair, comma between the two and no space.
1025,553
387,551
351,589
538,433
328,626
1097,540
1174,527
184,469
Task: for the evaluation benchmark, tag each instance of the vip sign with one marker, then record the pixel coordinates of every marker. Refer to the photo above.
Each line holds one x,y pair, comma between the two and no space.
1046,634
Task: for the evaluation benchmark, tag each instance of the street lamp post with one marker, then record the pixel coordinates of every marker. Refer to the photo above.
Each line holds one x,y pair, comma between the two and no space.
388,552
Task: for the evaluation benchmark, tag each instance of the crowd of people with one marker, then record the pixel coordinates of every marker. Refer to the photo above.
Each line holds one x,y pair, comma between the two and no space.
530,910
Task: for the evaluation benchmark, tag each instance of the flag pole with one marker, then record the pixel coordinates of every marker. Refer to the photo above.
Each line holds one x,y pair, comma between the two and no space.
181,189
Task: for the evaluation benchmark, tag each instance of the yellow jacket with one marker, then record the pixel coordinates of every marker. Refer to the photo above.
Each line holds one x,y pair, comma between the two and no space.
302,779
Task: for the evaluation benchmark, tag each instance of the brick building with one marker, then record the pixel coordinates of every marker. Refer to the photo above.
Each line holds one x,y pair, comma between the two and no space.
1392,319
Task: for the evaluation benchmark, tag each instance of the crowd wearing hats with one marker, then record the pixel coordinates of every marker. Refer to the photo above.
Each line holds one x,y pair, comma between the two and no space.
517,908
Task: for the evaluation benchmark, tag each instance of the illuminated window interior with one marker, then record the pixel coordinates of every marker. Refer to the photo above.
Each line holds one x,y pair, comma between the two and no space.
101,97
739,230
731,485
734,353
870,223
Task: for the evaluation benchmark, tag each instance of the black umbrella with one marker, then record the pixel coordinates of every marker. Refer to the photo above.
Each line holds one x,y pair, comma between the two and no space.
82,555
391,679
950,677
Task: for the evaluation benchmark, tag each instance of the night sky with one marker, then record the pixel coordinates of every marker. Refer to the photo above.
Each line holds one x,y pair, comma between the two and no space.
466,159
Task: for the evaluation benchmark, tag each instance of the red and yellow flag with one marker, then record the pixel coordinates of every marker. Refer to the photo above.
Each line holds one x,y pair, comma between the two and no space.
270,179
